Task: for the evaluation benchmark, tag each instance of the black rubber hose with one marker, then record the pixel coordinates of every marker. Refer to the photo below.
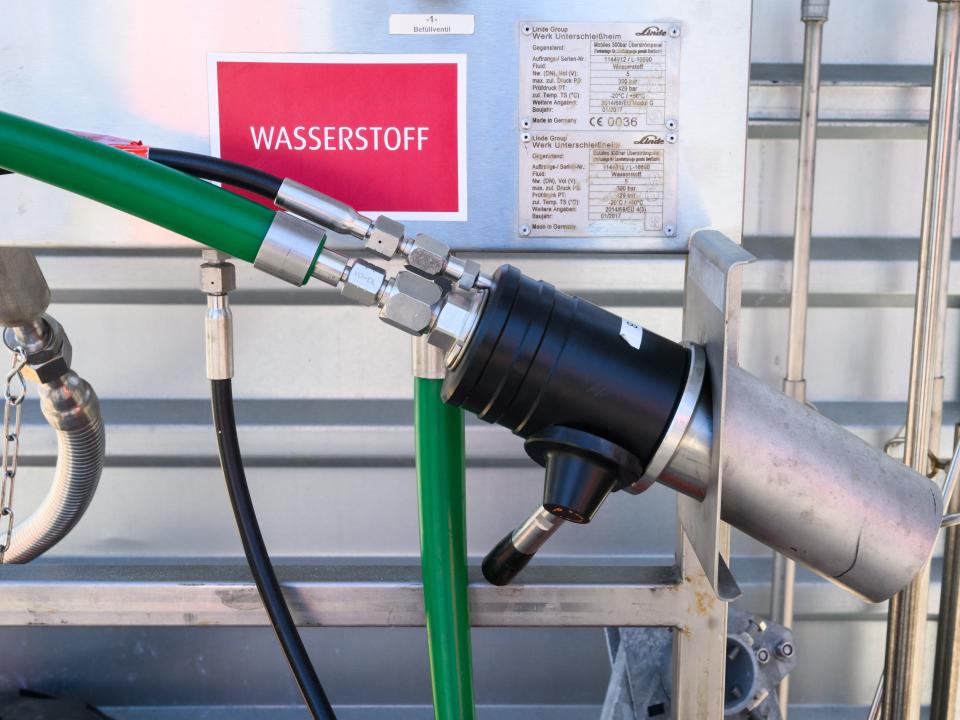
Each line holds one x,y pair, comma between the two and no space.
206,167
213,168
256,551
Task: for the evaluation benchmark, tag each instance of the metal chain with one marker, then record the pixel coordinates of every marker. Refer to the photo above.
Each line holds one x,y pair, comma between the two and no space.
12,415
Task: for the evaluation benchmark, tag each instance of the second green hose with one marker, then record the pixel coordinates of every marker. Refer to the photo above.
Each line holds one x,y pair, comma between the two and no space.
441,487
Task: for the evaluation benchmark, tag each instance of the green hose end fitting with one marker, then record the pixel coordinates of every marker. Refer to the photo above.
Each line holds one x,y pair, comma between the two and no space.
441,487
180,203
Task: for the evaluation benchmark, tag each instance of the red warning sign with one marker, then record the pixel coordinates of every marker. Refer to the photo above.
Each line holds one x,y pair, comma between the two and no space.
384,133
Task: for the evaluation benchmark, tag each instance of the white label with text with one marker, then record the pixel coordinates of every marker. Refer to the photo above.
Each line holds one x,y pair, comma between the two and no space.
431,24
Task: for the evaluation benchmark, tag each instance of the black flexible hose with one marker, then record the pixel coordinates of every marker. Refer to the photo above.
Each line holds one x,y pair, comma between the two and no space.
213,168
256,551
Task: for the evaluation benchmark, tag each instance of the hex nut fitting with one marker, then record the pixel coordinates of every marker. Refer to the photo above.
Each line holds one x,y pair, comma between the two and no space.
385,236
468,277
218,278
363,283
455,323
409,302
50,362
428,255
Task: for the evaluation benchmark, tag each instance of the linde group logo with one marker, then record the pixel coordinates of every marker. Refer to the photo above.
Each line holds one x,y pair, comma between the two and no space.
384,133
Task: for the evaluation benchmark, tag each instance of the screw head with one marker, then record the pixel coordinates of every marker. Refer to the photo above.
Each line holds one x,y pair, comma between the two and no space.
525,137
526,29
674,31
763,656
671,124
669,230
526,123
524,230
671,137
785,649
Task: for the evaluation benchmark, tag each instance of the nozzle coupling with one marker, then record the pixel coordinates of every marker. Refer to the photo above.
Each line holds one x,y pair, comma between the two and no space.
217,278
511,555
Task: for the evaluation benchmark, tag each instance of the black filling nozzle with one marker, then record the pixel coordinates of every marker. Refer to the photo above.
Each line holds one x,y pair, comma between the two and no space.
581,470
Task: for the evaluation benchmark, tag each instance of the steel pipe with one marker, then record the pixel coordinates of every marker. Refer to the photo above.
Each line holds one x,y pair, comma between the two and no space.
828,499
908,610
946,667
814,15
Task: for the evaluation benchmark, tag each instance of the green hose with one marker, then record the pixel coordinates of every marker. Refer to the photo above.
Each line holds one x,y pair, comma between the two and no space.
443,549
178,202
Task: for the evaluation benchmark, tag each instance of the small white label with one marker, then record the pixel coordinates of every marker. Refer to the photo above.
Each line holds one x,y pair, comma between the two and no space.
632,333
431,24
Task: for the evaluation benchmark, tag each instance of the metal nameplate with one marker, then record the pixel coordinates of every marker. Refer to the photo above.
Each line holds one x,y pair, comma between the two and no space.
593,76
598,129
574,184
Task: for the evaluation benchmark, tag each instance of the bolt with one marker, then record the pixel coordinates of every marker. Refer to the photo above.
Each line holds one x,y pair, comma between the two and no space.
671,124
525,137
526,123
527,29
674,31
668,230
671,137
763,656
524,230
785,649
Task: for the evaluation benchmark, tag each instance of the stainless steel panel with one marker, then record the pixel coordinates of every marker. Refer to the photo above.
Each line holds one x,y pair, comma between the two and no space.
161,97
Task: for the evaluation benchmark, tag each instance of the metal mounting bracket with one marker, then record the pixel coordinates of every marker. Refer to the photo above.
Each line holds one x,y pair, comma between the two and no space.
711,318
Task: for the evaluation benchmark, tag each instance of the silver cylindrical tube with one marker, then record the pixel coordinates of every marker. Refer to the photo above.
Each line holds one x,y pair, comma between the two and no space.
946,666
24,295
536,530
907,615
290,248
814,14
218,336
820,495
331,267
313,205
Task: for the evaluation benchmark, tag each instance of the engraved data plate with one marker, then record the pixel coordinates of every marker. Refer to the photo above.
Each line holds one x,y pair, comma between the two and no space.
598,129
575,184
590,76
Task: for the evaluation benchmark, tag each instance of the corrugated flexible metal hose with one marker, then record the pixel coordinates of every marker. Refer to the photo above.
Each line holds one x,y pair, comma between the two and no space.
71,407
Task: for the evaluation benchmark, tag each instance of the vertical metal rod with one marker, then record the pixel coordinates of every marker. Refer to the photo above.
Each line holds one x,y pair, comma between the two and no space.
814,15
946,667
906,622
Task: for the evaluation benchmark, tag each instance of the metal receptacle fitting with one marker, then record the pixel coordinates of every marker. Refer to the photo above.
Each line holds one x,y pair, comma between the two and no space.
331,267
50,359
433,257
384,237
290,248
408,302
536,530
217,278
815,10
456,322
322,209
427,254
364,283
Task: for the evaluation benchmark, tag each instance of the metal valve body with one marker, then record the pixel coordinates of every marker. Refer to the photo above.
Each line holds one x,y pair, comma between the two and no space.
796,481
